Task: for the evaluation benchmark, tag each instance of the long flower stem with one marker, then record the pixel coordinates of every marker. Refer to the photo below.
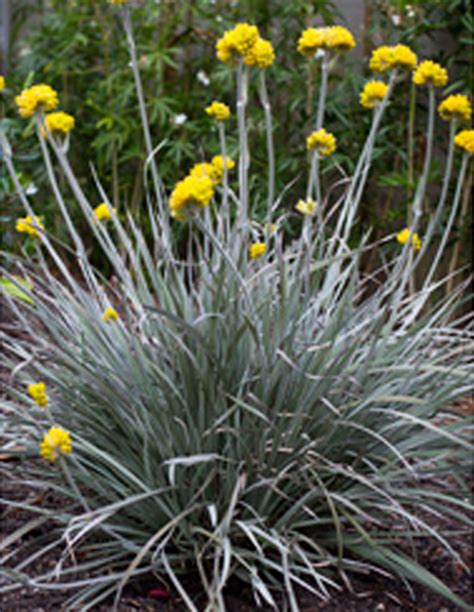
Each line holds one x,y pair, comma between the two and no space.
225,182
322,91
449,225
270,148
242,86
444,192
164,218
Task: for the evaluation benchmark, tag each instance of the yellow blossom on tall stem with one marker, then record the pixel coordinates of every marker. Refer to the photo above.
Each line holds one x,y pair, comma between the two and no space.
55,443
38,393
465,140
373,93
103,212
2,82
218,111
58,123
333,38
190,195
217,163
456,106
306,207
406,235
324,142
261,54
236,43
257,249
430,73
36,98
387,58
28,225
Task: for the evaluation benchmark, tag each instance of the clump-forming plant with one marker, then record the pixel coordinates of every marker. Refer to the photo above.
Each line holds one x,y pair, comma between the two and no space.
253,408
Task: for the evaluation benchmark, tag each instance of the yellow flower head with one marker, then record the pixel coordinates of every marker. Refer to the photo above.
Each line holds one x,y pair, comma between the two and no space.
118,1
27,225
306,207
213,170
236,42
219,111
110,314
335,38
465,140
58,124
2,82
189,195
387,58
339,39
38,392
405,235
261,54
430,73
103,212
205,169
323,141
55,443
37,98
257,249
310,41
373,93
455,107
217,164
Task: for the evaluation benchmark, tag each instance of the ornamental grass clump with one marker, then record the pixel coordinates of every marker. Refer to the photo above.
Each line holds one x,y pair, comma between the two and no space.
253,407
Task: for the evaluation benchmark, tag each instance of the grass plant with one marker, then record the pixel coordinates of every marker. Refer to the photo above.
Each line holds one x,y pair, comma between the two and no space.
269,415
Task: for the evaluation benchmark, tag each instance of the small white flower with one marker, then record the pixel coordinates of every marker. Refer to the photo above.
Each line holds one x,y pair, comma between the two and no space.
203,78
410,11
396,19
31,189
180,119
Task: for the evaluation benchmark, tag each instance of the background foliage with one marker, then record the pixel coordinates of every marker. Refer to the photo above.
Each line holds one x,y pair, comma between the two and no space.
80,49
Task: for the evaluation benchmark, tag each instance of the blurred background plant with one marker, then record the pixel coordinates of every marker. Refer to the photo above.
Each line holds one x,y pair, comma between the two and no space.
80,49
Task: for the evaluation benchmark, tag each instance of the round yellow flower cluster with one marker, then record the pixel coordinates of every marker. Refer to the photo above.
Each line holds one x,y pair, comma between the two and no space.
38,393
465,140
456,106
218,111
55,443
189,195
58,124
261,54
213,169
236,42
2,82
110,314
39,97
26,225
118,1
405,235
430,73
257,249
306,207
387,58
103,212
323,141
333,38
373,93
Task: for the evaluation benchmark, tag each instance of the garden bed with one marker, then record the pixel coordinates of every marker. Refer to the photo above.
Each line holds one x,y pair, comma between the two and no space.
372,592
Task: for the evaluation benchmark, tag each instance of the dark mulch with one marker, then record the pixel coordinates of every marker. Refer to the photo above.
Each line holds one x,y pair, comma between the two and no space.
370,593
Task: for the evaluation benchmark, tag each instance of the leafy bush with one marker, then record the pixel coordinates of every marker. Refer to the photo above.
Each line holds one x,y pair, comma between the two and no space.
253,407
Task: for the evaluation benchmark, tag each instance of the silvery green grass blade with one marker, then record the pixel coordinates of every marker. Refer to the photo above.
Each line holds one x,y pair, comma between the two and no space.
268,418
